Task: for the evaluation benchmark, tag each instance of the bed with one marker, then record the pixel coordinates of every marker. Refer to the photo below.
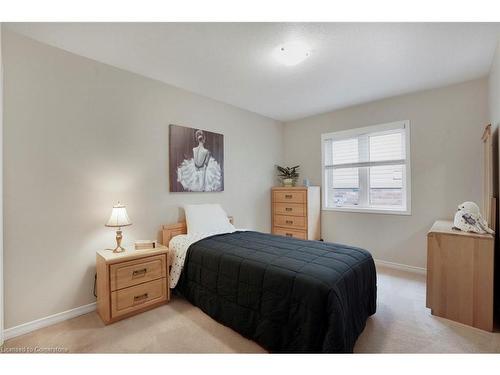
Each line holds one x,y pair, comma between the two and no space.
286,294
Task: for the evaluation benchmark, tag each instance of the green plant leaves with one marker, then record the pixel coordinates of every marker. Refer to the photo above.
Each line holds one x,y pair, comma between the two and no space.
288,172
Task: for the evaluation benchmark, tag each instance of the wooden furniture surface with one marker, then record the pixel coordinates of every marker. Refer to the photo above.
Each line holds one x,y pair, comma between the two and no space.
490,166
295,212
131,282
460,269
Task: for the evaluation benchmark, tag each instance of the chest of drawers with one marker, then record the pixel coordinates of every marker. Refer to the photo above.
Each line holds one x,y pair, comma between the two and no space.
460,275
295,212
131,282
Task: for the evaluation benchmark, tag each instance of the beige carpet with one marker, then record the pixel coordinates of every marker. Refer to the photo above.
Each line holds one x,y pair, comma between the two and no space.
402,324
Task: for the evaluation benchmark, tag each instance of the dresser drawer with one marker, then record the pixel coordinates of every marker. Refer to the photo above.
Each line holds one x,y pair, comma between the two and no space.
290,233
137,297
292,209
297,222
289,196
138,271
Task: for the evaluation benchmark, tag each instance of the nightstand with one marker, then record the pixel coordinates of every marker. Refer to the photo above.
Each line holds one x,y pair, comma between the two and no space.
131,282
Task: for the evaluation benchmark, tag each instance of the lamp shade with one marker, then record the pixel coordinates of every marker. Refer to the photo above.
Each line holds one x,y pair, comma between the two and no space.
119,217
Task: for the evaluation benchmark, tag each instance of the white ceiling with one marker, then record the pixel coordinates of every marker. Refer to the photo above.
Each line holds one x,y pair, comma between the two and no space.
350,63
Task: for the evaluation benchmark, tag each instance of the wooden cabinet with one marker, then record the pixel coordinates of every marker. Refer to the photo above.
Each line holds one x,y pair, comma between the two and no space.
131,282
296,212
460,269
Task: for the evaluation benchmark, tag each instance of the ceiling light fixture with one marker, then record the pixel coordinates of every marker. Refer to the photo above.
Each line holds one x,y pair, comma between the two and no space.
292,53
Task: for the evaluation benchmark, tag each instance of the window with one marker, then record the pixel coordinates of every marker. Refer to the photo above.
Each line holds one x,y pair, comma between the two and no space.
368,169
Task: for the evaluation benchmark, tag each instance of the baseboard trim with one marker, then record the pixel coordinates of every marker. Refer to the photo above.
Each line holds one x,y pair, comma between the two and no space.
47,321
401,267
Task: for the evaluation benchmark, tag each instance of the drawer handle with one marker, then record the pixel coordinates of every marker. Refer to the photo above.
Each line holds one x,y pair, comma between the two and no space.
288,196
288,208
139,272
289,221
141,297
289,234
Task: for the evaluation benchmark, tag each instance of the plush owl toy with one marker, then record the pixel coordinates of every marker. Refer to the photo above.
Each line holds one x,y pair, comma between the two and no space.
469,219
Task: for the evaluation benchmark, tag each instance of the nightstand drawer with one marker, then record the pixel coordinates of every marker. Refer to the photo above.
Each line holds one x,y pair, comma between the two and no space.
137,297
123,275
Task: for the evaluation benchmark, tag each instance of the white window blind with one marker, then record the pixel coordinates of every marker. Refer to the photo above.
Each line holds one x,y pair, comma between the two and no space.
368,169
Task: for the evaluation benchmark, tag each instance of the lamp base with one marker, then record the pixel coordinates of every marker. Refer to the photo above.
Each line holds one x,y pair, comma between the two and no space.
119,248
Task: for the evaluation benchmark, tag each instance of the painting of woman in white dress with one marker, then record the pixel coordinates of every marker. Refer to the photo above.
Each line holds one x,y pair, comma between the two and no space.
196,160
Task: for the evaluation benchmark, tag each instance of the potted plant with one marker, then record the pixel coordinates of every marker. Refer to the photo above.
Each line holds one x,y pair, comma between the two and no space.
288,175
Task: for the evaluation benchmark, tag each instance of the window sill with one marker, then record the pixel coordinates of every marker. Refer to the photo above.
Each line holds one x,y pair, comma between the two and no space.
369,210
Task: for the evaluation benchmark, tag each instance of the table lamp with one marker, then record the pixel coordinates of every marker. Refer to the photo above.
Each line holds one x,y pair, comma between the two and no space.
118,219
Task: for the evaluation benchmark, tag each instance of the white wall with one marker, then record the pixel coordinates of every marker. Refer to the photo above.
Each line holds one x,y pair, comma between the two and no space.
80,135
446,151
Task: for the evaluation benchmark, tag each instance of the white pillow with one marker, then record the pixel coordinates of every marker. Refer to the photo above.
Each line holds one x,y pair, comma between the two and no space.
207,218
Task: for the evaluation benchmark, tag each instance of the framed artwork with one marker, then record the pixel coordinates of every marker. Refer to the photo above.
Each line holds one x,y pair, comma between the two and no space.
196,160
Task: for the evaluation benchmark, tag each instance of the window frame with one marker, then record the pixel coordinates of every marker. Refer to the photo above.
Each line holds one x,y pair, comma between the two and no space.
345,134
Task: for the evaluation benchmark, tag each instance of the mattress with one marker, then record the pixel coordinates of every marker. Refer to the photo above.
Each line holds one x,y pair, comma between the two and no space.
288,295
